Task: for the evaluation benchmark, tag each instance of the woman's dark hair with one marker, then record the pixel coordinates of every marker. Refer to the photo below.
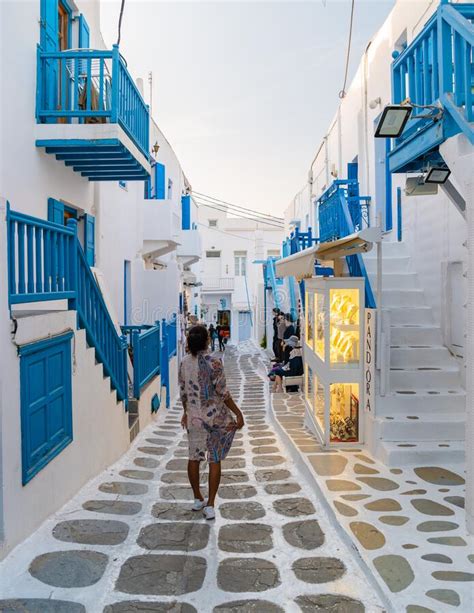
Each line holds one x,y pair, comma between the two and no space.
288,317
198,339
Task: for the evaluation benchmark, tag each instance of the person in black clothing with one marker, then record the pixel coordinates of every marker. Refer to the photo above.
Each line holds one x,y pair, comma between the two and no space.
275,341
220,336
294,367
290,328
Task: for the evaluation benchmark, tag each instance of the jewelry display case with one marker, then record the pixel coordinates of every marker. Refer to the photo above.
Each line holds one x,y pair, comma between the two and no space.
333,358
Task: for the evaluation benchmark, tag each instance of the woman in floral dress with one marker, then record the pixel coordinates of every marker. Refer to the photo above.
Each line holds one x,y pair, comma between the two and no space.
208,415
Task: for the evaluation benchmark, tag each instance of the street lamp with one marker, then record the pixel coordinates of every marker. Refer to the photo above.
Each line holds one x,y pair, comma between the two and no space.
437,175
393,121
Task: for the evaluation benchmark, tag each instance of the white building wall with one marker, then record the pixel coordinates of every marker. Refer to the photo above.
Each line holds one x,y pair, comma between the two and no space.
233,235
28,177
433,230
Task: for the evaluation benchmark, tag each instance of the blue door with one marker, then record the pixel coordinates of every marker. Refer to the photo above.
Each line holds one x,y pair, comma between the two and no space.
89,239
46,402
245,325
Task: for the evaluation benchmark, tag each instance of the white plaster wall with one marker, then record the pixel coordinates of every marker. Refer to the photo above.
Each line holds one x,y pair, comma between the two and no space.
237,234
100,430
432,228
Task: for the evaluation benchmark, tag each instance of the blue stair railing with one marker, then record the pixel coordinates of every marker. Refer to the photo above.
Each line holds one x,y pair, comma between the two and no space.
89,84
46,262
165,367
341,213
436,73
145,343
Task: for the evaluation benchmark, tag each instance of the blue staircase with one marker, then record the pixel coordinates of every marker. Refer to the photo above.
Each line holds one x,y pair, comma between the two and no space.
435,73
46,262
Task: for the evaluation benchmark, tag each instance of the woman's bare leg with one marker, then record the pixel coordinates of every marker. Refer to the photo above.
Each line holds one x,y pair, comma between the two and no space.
278,383
214,480
193,476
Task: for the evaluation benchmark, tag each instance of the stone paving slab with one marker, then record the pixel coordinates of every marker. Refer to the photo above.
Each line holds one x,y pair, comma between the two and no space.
407,523
269,528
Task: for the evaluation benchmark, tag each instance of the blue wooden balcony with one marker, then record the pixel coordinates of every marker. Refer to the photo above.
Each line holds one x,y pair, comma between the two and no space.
91,114
435,73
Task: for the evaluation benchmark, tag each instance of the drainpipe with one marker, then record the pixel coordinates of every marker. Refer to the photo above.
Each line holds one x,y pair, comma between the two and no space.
470,361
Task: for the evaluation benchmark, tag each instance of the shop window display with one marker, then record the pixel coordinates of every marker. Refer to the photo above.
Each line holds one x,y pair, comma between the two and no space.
344,332
309,338
344,412
309,384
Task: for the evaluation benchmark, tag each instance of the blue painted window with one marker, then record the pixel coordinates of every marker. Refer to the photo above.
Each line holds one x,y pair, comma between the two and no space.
89,238
46,402
160,172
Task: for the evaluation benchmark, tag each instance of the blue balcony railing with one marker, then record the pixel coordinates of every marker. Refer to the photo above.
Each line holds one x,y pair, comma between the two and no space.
341,213
437,69
91,86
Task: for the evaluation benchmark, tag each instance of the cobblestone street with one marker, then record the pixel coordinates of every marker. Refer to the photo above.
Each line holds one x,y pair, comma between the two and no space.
128,541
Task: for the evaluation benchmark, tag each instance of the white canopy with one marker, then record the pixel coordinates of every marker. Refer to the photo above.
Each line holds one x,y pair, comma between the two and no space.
301,265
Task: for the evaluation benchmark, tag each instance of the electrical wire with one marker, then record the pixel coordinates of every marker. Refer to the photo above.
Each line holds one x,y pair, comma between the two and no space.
119,34
256,219
237,206
342,93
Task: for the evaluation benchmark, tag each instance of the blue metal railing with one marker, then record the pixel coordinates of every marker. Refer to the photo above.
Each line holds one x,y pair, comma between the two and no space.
341,213
39,253
46,262
145,342
91,86
438,66
93,315
165,366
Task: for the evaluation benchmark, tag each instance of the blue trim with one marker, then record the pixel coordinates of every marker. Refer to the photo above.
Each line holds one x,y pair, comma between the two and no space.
45,387
84,33
399,214
388,189
56,211
160,177
186,212
155,403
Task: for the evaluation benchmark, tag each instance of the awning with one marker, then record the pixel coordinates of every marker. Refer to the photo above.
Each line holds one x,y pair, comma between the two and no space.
301,265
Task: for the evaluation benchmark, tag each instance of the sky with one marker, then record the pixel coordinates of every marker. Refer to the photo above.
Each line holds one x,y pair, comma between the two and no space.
244,91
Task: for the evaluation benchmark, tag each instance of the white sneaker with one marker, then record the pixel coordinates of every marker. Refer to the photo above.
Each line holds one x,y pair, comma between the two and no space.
199,504
209,513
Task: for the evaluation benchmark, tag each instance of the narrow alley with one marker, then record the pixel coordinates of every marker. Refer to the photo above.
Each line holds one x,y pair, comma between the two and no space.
128,541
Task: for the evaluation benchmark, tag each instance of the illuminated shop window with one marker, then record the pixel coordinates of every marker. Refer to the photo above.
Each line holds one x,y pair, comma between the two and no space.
344,412
309,336
344,326
320,317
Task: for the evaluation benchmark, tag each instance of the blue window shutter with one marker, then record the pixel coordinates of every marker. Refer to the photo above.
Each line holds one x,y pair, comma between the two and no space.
46,402
147,189
186,212
55,211
84,36
160,181
49,25
89,238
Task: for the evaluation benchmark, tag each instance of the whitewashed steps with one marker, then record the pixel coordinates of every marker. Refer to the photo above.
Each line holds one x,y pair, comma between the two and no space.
425,377
449,426
418,402
422,418
422,453
415,335
408,356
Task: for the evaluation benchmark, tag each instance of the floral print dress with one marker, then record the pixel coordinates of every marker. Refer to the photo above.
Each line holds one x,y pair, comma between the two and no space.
203,392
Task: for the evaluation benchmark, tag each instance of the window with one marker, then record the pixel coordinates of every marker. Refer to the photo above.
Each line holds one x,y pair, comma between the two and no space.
213,223
46,402
240,263
213,254
170,189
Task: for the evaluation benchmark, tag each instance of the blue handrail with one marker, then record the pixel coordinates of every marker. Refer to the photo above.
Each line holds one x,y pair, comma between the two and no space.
94,317
165,367
89,85
146,348
341,213
437,67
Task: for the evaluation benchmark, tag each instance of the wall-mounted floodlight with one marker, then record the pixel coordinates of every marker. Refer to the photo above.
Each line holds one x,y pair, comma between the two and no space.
437,175
393,121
